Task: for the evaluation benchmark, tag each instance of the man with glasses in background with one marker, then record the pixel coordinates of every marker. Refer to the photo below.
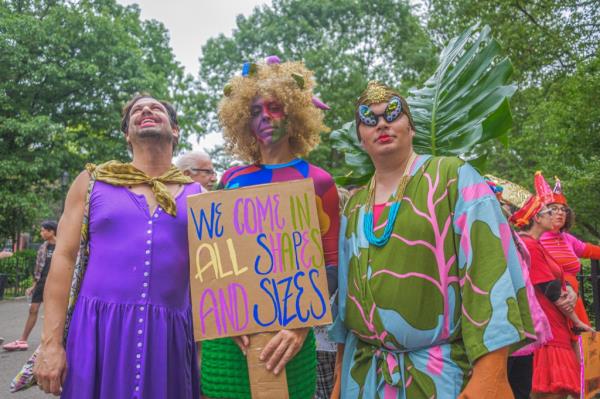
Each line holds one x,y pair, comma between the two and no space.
198,166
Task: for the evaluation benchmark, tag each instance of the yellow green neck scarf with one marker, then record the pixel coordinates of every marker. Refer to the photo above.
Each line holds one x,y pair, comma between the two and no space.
125,174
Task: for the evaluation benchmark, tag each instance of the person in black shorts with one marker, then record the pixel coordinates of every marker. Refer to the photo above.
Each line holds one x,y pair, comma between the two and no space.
42,266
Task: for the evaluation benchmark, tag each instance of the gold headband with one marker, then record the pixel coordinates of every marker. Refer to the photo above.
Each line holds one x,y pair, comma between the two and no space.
376,93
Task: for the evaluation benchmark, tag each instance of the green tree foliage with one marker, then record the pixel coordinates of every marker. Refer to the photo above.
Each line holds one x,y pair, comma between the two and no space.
560,135
345,42
554,46
66,68
541,37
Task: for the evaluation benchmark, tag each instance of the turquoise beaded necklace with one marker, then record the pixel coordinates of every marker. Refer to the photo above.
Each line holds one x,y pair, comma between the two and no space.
368,222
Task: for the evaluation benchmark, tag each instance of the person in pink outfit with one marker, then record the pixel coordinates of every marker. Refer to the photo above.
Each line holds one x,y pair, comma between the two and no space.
555,364
567,249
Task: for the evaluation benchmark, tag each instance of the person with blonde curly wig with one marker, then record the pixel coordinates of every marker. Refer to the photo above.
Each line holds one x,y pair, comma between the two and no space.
290,84
271,119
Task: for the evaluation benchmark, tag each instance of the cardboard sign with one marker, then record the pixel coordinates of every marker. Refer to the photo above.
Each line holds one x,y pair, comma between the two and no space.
590,351
256,260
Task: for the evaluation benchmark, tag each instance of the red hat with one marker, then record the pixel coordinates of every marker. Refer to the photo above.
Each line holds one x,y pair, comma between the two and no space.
558,196
543,196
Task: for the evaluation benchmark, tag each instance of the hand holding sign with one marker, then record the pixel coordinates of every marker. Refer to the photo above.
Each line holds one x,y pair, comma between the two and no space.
242,341
263,383
282,348
279,350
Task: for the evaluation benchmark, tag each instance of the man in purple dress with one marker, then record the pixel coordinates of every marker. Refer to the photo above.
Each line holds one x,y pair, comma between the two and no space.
131,333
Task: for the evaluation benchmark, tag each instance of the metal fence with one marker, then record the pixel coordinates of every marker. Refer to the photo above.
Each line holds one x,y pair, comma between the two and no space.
15,275
591,282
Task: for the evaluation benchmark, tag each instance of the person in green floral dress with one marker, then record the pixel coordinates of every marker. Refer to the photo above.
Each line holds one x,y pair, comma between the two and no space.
431,294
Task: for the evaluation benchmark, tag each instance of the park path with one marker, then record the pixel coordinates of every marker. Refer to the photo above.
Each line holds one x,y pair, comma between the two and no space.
13,313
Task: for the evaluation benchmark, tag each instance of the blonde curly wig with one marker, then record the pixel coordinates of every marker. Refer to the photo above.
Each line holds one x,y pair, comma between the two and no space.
289,83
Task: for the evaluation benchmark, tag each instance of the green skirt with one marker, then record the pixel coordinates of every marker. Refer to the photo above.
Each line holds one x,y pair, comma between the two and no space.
224,370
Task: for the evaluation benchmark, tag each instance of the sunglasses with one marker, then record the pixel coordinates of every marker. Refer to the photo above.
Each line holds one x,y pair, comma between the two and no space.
392,112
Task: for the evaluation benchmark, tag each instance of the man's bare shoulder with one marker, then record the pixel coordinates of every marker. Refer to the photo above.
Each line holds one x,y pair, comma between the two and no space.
79,187
82,180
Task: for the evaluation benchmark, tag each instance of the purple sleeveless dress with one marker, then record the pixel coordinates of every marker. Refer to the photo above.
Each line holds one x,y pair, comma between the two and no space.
131,335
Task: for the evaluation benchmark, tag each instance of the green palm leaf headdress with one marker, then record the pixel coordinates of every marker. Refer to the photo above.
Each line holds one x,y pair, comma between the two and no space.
464,103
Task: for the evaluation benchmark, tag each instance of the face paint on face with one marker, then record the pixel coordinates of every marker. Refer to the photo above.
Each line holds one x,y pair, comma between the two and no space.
267,120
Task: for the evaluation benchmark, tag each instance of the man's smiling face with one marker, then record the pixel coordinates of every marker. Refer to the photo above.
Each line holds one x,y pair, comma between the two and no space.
149,119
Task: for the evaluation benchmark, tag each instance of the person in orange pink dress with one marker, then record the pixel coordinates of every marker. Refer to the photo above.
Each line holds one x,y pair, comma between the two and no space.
565,248
555,365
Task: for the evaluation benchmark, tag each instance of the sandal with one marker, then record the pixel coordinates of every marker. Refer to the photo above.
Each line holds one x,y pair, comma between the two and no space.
16,346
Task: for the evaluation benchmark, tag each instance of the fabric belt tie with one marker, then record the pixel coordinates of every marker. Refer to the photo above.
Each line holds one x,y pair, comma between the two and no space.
390,362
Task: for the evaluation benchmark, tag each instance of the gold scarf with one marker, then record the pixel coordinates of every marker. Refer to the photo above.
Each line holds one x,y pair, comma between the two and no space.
125,174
